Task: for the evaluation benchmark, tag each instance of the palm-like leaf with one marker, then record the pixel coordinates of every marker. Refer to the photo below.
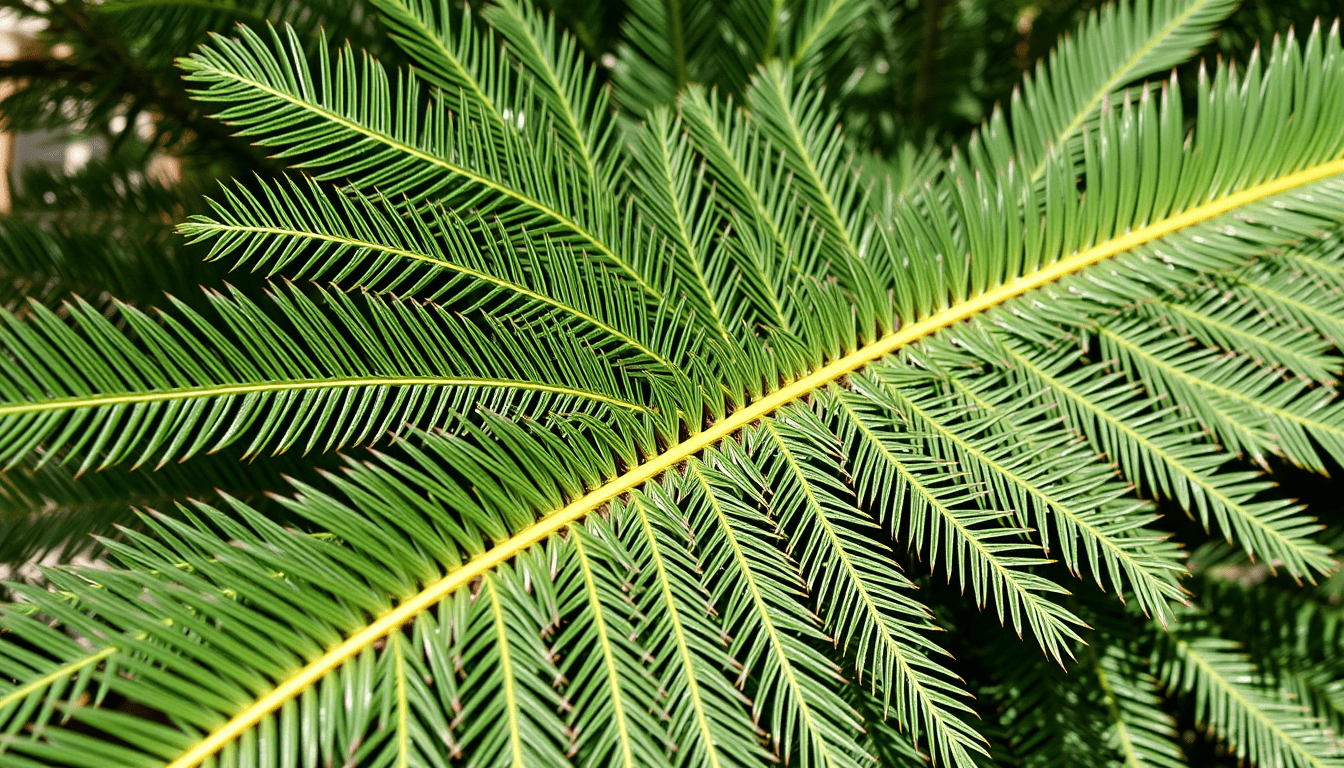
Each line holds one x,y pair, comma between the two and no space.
676,412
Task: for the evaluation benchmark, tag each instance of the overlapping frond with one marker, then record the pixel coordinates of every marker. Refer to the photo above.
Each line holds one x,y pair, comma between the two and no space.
1226,317
46,267
774,636
187,383
299,229
936,512
1264,727
793,122
1117,45
1138,728
1045,477
666,46
350,120
563,84
1158,449
448,52
52,513
685,406
868,609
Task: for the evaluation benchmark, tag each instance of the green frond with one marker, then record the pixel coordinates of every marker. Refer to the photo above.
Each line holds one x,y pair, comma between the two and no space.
181,386
1237,320
358,125
672,412
1262,726
1116,46
49,512
815,25
1299,296
1051,717
1164,455
1248,407
1103,710
448,52
1323,258
437,258
774,636
614,697
672,193
507,692
1294,636
935,509
1138,728
684,638
47,267
890,746
1049,482
893,180
755,199
867,610
563,84
666,46
793,122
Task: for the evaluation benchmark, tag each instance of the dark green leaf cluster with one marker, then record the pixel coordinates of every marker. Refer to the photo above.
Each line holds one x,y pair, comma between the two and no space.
679,441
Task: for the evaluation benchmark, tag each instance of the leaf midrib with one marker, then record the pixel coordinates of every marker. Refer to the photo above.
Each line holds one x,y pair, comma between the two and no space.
1198,315
506,666
800,52
226,390
1132,759
63,671
674,455
683,234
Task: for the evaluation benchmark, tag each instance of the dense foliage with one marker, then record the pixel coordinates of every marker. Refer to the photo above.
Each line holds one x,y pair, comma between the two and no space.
675,383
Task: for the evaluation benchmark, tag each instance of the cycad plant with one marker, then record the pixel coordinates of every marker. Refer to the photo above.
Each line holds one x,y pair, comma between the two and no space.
652,428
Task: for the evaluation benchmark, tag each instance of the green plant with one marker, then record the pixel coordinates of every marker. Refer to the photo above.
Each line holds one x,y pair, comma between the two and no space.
659,407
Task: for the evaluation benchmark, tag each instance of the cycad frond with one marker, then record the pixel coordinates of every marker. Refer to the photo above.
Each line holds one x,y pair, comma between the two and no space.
46,267
440,258
867,609
793,122
1265,727
563,84
899,482
1163,454
449,53
1138,728
667,46
774,637
1249,407
1116,46
188,387
1047,480
679,402
1227,317
50,513
358,125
